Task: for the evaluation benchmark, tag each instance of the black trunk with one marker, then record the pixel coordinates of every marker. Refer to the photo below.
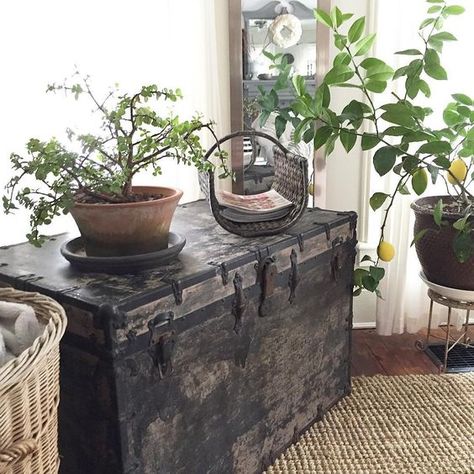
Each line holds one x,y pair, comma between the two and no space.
213,364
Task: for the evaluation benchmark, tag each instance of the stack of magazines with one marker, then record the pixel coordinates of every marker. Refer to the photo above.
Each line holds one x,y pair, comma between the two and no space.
262,207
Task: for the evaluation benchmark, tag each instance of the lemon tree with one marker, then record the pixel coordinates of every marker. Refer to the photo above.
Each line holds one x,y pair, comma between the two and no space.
397,131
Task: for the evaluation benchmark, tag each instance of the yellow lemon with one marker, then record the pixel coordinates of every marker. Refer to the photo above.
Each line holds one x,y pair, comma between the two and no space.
385,251
311,189
459,169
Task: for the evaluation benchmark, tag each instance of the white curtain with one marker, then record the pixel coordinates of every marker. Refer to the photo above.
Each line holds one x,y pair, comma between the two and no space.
174,43
405,305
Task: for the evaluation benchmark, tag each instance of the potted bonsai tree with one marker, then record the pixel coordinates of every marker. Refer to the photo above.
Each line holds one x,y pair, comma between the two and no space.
92,177
398,132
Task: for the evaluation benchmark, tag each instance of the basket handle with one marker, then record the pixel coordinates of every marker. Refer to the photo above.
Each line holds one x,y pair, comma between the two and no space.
244,133
17,452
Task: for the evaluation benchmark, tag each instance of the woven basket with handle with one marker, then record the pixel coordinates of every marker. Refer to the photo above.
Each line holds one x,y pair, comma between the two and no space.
29,394
291,181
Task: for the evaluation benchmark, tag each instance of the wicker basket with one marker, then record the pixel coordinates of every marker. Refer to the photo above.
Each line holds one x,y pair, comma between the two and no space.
291,181
29,394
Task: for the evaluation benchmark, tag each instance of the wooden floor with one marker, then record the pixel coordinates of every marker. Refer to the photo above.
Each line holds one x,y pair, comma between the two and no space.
389,355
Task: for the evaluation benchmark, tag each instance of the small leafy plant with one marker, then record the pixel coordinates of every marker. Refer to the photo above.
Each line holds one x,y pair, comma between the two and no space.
405,145
136,132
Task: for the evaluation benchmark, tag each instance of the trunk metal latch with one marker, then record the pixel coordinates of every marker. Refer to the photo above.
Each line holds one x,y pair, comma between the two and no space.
162,342
239,304
266,272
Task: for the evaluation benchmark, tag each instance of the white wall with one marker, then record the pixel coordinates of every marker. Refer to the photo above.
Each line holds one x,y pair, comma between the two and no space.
175,43
347,174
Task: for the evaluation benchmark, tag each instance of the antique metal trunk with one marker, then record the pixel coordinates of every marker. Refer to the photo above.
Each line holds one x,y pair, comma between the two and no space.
212,364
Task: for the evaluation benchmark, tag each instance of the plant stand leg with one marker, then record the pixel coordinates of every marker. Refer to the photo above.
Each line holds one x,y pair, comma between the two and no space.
446,348
466,327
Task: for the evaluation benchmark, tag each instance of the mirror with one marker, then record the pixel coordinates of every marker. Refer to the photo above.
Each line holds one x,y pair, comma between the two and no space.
286,27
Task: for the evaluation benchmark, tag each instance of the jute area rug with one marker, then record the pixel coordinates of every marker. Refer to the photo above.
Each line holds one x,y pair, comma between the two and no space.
401,425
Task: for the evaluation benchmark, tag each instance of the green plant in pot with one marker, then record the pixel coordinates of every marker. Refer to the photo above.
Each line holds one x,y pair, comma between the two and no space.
92,177
397,132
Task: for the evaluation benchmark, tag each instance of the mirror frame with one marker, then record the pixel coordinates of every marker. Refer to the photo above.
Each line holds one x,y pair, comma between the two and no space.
236,96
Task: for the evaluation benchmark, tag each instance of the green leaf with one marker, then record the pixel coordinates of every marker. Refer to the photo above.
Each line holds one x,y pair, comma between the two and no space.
431,57
369,283
434,172
376,86
308,136
377,199
443,36
463,246
435,148
369,141
356,30
379,72
418,236
419,181
403,190
438,212
280,126
323,17
321,136
434,9
426,22
384,159
366,258
336,17
299,84
442,162
454,10
264,114
339,73
463,99
451,117
358,275
364,45
425,88
410,163
369,63
398,114
410,52
436,71
377,273
342,58
322,96
348,139
461,224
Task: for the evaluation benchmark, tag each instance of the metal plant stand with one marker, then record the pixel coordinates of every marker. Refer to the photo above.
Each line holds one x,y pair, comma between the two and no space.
460,345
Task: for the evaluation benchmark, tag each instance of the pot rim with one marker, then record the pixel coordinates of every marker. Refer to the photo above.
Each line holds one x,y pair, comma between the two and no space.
177,193
419,208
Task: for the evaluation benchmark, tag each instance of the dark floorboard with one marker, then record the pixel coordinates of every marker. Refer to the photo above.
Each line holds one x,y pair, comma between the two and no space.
390,355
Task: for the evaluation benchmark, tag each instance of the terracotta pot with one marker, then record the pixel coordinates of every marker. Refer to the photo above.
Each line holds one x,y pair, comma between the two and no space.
128,228
435,248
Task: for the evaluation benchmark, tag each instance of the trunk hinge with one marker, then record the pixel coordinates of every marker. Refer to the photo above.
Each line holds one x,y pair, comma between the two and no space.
224,273
177,291
239,304
336,264
293,278
300,240
162,342
266,272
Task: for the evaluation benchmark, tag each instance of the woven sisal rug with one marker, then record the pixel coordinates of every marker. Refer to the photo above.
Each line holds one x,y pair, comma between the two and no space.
411,424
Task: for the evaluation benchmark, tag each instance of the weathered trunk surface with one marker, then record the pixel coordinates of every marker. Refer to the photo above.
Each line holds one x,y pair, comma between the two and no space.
204,366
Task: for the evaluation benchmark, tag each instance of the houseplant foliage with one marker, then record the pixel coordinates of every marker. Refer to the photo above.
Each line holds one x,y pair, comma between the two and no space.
136,131
397,131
